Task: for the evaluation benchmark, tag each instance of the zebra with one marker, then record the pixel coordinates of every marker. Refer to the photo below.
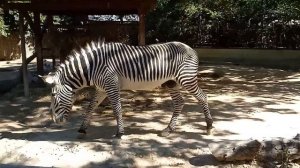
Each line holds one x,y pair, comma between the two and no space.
112,67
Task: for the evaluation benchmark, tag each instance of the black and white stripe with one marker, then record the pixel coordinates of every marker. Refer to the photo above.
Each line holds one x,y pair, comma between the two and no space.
111,67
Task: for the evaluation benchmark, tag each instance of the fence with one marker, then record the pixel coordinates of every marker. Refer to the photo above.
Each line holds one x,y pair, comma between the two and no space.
9,47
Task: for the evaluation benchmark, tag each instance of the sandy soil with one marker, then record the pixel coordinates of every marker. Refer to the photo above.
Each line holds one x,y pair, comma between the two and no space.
246,103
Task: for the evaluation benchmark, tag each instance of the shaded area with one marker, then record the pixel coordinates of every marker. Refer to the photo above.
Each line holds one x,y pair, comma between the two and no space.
11,73
241,99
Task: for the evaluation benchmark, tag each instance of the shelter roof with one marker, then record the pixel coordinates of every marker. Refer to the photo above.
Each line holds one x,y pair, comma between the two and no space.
81,6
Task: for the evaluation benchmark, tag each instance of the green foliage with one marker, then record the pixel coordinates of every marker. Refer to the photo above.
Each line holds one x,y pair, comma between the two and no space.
8,23
217,23
227,23
3,28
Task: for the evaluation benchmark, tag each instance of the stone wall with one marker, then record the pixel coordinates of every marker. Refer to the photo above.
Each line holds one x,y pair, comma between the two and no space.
281,59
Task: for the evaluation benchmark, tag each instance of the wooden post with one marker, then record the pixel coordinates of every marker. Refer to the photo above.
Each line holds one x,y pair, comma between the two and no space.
141,35
38,43
50,29
23,50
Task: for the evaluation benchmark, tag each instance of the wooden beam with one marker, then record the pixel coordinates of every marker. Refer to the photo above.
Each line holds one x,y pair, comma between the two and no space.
23,50
38,43
80,6
50,28
141,35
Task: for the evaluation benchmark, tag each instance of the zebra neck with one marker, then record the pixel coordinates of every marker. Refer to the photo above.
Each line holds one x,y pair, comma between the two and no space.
72,74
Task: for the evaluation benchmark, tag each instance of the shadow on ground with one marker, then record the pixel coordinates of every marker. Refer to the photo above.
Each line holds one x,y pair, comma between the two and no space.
235,96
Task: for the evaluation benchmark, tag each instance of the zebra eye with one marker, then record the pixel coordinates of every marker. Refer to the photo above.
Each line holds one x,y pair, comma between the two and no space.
53,94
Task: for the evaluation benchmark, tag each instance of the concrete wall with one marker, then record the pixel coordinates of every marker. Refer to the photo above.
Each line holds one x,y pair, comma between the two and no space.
282,59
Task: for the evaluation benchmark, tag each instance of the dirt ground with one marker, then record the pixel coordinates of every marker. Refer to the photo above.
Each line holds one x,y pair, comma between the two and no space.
246,103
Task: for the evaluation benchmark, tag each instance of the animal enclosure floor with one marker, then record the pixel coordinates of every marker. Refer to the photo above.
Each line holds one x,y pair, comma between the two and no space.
246,103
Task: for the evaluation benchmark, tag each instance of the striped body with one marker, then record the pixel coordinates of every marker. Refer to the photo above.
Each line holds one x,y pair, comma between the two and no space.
111,67
136,67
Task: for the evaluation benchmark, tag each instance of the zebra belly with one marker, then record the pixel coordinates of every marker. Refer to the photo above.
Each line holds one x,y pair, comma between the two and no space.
126,84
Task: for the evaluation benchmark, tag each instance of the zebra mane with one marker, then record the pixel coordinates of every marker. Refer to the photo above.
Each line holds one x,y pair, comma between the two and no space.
90,46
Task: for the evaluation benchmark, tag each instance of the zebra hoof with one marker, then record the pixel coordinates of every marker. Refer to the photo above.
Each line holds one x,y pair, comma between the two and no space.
166,132
116,142
118,135
209,131
82,131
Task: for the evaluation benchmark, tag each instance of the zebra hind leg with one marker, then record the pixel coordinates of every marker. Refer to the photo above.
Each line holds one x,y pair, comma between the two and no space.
113,93
191,85
97,99
178,103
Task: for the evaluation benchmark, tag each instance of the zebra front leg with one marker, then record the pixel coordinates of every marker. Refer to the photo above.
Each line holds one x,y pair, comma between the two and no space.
178,103
97,99
191,85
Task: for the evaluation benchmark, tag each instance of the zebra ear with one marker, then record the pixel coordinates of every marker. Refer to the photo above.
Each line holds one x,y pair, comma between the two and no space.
49,79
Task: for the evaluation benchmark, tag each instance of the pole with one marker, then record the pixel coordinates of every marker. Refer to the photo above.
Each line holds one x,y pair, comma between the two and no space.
38,43
23,50
141,34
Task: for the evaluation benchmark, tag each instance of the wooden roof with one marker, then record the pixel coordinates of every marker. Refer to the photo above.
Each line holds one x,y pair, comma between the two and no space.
80,6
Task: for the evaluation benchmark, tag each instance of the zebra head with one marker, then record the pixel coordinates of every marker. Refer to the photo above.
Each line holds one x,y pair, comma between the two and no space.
61,98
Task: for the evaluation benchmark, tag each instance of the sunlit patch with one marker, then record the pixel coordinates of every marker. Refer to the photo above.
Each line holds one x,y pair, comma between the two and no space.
293,106
233,98
15,105
7,125
271,125
292,78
